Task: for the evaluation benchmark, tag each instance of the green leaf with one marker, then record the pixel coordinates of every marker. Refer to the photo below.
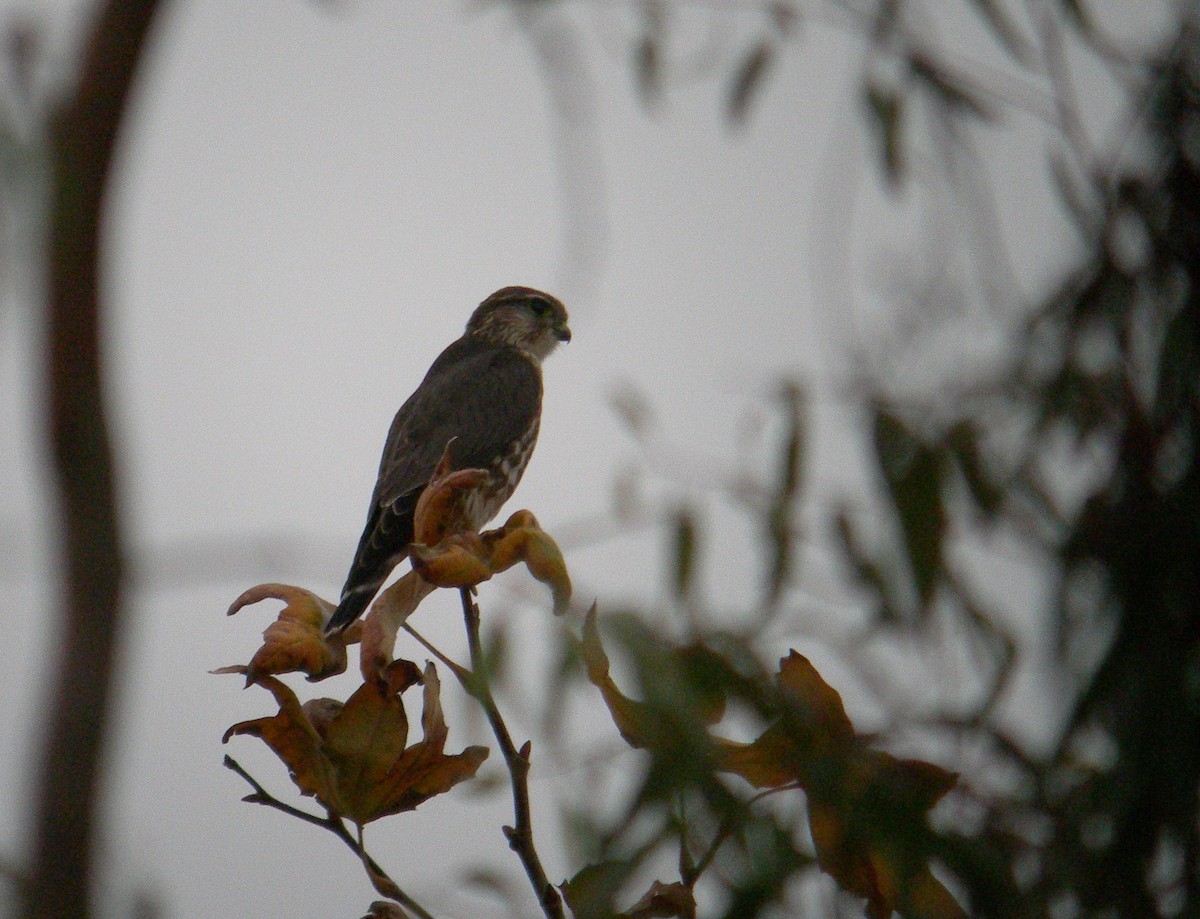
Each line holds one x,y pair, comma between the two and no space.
869,573
592,892
791,469
963,440
913,475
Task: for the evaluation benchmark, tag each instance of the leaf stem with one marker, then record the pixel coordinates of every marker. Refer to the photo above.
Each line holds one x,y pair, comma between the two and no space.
690,870
520,835
459,671
380,880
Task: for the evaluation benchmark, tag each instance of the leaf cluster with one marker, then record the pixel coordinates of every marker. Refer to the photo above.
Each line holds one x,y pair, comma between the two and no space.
866,810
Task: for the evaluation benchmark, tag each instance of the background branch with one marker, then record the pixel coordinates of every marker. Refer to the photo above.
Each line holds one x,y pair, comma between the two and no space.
83,139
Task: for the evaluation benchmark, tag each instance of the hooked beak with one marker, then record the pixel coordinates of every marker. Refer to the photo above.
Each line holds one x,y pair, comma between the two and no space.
562,333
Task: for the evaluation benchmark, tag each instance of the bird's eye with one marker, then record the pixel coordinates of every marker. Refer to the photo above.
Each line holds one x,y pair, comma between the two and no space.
539,307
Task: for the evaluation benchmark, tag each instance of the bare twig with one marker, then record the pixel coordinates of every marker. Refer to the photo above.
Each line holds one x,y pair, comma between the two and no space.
520,835
457,669
380,880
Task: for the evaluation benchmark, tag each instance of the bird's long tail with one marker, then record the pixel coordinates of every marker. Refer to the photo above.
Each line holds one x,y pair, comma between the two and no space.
352,605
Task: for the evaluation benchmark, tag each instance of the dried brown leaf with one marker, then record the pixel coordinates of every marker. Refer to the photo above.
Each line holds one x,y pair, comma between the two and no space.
295,641
354,757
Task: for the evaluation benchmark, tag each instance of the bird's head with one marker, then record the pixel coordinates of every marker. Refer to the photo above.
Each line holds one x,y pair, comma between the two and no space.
522,317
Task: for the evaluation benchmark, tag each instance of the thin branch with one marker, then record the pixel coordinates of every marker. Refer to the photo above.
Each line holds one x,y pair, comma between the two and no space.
463,674
726,829
520,835
1053,54
382,883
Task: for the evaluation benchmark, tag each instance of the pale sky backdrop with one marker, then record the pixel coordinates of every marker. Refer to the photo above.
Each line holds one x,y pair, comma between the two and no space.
311,199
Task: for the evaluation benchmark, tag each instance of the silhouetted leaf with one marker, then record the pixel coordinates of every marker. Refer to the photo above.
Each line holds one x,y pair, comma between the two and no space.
868,571
649,79
748,80
1077,14
683,571
592,892
785,16
787,489
664,901
633,409
886,108
963,439
948,88
648,52
1006,32
1079,203
913,475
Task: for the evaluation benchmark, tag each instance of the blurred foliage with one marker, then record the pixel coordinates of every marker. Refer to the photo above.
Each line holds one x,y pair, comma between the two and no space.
1105,371
1082,447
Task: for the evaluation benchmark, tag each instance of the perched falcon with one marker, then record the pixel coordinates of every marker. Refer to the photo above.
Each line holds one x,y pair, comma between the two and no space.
483,398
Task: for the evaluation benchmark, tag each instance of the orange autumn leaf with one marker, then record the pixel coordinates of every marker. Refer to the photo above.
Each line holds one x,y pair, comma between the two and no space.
441,507
633,719
804,691
815,727
870,855
461,560
389,612
295,641
867,809
522,539
295,740
353,758
870,832
465,559
663,901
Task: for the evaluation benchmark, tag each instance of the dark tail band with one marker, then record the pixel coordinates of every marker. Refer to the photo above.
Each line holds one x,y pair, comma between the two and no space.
352,605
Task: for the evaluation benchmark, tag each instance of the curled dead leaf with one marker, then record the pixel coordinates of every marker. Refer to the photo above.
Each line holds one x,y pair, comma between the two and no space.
389,612
466,559
441,507
295,641
461,560
522,539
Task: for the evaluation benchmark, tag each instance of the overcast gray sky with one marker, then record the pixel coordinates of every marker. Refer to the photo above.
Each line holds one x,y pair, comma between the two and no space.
310,202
